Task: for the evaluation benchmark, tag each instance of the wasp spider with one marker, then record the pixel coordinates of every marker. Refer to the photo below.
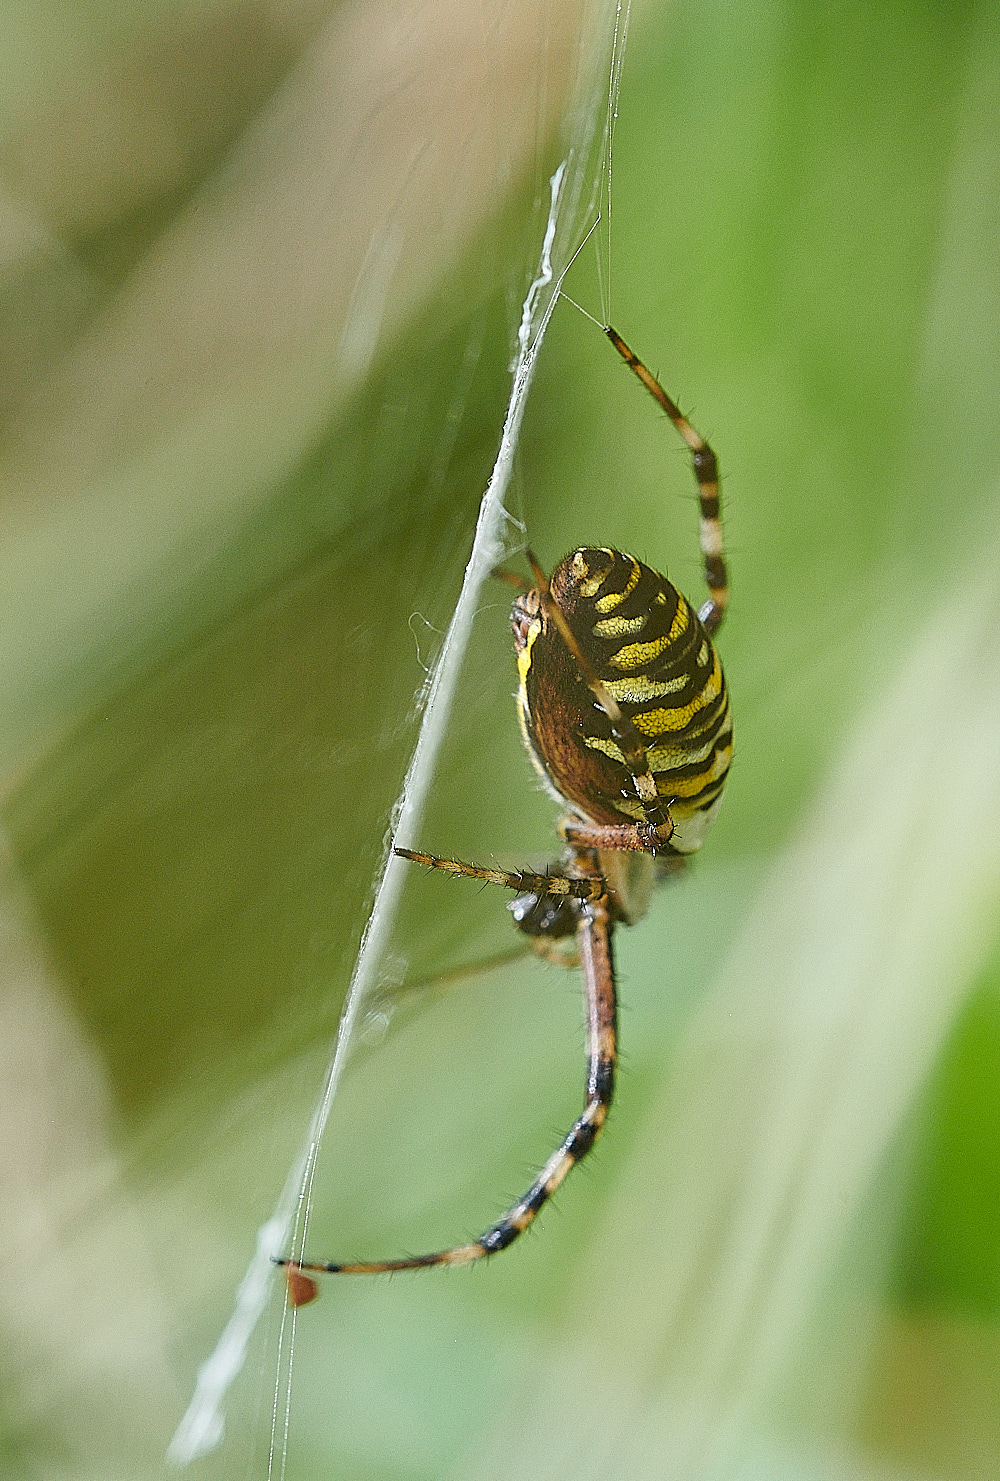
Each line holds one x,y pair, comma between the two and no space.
624,712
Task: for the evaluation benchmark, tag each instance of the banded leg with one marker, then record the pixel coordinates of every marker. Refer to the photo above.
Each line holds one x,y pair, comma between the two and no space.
584,887
594,930
706,471
546,905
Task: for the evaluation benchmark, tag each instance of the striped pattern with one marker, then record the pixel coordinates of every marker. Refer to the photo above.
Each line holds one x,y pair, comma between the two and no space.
594,938
706,472
623,708
650,650
559,886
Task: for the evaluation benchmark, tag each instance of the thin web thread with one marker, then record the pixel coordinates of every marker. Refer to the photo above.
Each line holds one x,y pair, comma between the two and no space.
203,1424
623,12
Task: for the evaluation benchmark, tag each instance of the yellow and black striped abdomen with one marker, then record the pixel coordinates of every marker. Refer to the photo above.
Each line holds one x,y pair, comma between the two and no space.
645,643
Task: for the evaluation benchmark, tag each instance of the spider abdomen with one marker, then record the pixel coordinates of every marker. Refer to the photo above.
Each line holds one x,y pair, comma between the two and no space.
645,643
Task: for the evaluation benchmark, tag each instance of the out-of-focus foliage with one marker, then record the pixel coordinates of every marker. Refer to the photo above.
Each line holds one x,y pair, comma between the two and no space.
234,534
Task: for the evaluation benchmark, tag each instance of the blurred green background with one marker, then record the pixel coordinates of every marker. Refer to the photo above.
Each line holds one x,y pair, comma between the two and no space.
257,328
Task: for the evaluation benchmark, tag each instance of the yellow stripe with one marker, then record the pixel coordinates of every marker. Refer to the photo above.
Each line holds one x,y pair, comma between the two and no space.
618,627
658,722
664,758
592,585
717,725
637,654
672,758
595,743
691,786
524,657
681,618
615,598
640,689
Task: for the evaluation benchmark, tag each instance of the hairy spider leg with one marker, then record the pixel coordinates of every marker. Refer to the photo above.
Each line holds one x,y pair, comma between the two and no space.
594,933
706,472
587,886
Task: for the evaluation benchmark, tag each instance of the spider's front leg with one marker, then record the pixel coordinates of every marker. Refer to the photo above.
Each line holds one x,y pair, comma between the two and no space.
580,882
546,908
585,896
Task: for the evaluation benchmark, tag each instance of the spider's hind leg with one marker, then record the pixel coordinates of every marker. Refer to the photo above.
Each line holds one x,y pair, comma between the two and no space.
594,932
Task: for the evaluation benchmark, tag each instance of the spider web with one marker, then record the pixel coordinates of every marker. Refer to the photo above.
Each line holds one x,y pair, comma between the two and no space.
579,199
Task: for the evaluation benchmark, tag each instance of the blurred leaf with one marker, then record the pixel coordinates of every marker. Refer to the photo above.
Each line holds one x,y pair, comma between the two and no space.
952,1253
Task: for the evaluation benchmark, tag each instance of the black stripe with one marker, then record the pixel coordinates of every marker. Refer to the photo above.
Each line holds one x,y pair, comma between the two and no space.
602,1087
706,467
499,1237
581,1139
715,572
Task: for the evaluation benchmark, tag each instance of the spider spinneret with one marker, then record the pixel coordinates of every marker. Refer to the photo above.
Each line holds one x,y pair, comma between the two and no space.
625,714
